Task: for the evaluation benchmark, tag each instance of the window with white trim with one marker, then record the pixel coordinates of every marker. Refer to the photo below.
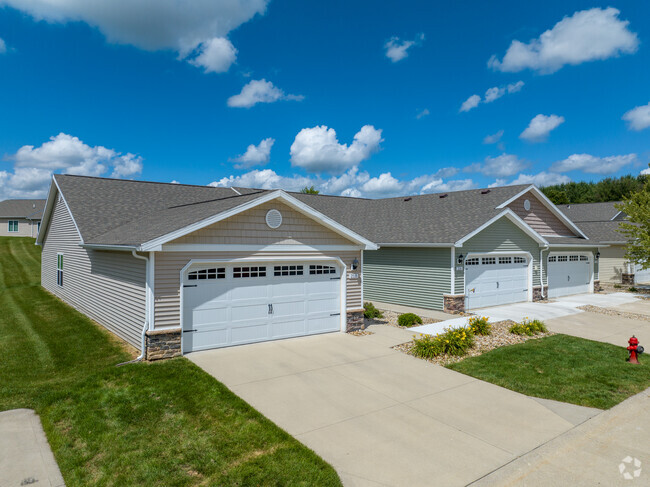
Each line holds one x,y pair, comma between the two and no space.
241,272
584,258
321,269
562,258
552,258
287,270
505,260
488,260
212,273
13,225
520,260
573,258
59,269
472,261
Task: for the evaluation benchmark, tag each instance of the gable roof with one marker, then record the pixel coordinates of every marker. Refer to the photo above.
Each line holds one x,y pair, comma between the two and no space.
604,232
591,212
30,209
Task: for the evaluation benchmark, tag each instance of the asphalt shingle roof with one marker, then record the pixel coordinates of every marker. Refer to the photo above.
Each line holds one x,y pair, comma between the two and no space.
32,209
590,212
603,231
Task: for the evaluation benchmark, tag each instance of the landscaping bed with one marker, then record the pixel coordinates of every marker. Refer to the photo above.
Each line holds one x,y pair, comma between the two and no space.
390,318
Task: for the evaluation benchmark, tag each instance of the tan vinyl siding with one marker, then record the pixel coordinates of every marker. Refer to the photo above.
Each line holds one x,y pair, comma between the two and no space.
168,266
250,228
26,228
612,264
502,236
109,287
407,276
539,218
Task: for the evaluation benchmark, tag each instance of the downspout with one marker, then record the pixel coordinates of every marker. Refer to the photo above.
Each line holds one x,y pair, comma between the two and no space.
145,327
541,270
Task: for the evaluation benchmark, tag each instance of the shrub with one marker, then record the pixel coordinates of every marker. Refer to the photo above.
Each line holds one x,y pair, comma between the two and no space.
480,326
528,327
454,341
409,319
370,312
617,286
633,289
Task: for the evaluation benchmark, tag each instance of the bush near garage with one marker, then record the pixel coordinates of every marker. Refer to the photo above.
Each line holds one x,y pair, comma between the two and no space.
454,341
480,325
370,312
529,327
409,319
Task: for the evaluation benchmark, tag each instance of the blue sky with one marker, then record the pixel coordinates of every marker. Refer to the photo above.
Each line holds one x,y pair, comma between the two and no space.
358,98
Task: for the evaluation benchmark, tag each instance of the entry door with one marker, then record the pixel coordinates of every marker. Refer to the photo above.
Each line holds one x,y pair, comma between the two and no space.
568,274
226,305
491,281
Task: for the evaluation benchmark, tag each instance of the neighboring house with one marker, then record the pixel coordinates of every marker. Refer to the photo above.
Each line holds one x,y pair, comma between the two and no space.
176,268
20,218
600,221
173,268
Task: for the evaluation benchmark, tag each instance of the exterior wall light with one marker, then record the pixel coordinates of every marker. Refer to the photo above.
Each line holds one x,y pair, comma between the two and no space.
355,264
460,259
597,255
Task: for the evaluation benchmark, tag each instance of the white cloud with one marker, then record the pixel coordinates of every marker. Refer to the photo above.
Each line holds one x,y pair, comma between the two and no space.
638,118
446,172
542,179
540,126
471,102
438,186
196,31
259,91
317,149
396,49
255,155
422,114
175,182
3,46
645,172
215,55
588,35
592,164
382,186
33,166
494,138
501,166
265,179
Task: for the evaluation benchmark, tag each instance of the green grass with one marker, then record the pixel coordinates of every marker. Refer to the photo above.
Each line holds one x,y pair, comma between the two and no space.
163,423
563,368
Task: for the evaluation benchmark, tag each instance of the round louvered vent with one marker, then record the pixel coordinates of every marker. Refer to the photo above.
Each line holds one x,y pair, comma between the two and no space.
273,218
527,205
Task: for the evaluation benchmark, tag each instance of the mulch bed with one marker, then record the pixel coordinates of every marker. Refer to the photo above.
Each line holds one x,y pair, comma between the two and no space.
613,312
390,319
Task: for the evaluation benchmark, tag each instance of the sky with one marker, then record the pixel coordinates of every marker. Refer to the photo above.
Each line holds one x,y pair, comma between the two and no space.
364,99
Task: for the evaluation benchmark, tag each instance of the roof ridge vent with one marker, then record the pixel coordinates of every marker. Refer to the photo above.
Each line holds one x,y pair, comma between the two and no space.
408,199
485,191
444,195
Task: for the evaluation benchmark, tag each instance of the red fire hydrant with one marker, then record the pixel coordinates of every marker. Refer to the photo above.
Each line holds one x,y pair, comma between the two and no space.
635,349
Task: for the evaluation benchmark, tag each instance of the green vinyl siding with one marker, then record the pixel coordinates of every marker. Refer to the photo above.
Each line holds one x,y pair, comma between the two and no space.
407,276
501,236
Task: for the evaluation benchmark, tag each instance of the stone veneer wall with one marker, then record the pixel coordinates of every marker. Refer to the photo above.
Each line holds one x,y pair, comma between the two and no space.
161,344
454,303
355,320
538,295
627,279
597,286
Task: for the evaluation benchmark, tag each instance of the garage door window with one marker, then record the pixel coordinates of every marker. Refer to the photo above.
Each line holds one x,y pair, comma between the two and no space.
240,272
520,260
552,258
561,258
287,270
488,260
213,273
321,269
472,261
573,258
505,260
584,258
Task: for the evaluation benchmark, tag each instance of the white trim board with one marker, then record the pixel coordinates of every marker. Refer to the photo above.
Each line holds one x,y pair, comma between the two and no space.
256,248
49,208
512,216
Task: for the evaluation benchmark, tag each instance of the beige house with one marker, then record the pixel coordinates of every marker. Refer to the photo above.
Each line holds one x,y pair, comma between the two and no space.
20,218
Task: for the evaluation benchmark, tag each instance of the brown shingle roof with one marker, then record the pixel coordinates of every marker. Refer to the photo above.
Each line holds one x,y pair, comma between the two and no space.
31,209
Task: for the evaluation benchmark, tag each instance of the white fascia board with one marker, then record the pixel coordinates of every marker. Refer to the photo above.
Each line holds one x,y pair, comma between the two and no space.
127,248
257,248
568,245
614,217
49,207
512,216
444,245
549,204
280,195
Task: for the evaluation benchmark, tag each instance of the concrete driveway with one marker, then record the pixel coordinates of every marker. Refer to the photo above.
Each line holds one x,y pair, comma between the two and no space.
381,417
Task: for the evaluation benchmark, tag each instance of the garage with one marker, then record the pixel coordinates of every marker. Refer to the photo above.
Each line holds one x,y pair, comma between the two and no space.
226,304
568,273
641,276
492,280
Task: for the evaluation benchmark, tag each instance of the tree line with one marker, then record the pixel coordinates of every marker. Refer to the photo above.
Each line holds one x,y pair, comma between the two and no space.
608,189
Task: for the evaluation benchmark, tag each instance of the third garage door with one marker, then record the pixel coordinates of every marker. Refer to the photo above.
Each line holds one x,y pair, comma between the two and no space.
495,280
568,274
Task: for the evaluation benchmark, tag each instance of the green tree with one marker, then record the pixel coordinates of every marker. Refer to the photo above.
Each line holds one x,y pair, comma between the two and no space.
637,227
608,189
309,190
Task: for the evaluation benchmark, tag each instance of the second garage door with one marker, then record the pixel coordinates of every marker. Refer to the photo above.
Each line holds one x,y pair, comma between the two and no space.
233,304
491,281
568,274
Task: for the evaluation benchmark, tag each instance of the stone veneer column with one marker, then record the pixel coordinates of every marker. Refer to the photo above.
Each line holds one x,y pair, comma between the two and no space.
355,320
161,344
627,279
453,303
538,295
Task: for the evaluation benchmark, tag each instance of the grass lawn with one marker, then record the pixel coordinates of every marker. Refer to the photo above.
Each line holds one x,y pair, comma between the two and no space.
563,368
163,423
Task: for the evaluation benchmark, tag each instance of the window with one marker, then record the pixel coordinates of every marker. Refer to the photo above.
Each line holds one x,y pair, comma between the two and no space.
287,270
520,260
13,225
322,269
505,260
552,258
59,269
488,260
38,227
573,258
584,258
472,261
561,258
214,273
240,272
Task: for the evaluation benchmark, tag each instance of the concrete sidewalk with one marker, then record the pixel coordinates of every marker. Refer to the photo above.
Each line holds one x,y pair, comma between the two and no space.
25,454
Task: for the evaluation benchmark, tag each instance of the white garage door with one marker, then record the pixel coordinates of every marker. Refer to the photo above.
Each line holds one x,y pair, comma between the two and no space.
568,274
226,305
491,281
